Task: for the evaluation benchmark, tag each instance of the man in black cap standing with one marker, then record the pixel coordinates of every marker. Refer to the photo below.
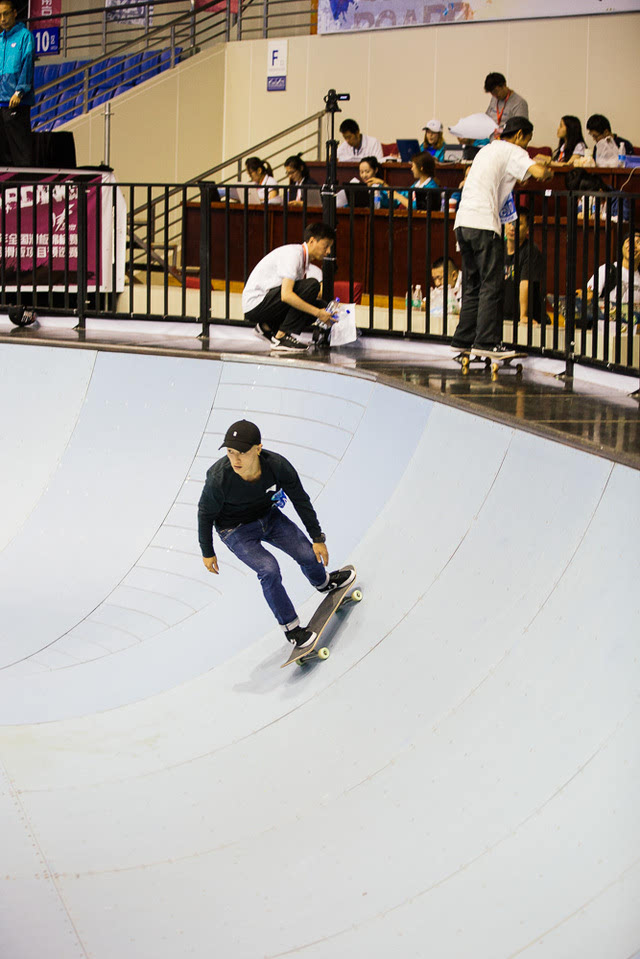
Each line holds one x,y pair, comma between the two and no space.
486,203
243,498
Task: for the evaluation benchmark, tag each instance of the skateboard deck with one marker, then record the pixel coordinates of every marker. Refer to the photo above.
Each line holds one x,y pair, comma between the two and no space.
322,616
492,360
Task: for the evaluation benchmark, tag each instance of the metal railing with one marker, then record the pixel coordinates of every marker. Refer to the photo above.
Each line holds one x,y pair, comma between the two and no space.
78,258
96,31
140,56
158,221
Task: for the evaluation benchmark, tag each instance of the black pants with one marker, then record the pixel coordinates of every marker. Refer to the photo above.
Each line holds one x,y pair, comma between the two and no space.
272,314
482,288
16,139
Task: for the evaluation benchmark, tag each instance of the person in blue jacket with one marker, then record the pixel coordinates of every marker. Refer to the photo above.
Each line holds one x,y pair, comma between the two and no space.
17,53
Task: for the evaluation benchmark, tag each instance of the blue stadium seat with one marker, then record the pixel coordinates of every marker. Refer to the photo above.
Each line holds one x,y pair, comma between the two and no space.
131,69
149,65
165,58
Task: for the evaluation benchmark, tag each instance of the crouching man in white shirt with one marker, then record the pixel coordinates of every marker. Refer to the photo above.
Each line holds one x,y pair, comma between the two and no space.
281,295
488,186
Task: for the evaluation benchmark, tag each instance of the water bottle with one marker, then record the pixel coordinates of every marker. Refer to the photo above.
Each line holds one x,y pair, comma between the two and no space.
376,200
333,308
417,296
622,155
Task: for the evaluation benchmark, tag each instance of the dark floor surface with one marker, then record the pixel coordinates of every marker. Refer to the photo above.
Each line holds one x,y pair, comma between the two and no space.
588,415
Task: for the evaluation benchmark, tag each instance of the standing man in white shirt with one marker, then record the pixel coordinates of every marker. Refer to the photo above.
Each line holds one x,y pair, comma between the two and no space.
488,186
281,296
356,145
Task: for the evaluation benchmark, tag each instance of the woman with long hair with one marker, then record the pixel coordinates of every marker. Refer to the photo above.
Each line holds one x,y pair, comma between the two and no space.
299,175
261,174
570,143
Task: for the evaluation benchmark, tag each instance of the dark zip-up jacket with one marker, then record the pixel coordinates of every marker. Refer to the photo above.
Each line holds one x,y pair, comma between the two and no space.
228,501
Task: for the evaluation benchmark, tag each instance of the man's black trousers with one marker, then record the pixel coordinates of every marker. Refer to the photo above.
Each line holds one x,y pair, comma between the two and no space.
274,315
480,321
16,139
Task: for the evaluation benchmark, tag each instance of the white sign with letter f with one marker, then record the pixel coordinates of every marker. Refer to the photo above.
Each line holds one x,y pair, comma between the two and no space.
276,65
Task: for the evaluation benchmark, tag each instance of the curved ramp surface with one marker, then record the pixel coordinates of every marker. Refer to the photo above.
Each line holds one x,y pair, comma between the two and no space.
460,777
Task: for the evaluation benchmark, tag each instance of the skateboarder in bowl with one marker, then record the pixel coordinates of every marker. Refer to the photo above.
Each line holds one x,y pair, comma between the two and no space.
241,498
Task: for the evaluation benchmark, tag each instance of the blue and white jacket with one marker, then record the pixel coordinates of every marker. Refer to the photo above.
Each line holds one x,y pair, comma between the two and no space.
17,53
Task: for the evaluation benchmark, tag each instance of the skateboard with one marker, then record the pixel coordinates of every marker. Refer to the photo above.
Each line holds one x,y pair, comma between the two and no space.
330,603
491,360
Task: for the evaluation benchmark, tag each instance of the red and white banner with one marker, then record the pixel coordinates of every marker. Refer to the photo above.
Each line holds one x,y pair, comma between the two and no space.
51,9
45,236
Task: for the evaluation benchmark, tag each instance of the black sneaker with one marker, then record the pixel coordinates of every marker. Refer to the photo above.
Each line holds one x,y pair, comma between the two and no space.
339,577
263,333
299,636
287,344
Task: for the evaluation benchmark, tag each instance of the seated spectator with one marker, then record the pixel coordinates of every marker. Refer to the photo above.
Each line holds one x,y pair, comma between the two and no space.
423,168
454,282
433,142
356,145
260,172
571,144
504,103
609,276
530,268
599,128
299,175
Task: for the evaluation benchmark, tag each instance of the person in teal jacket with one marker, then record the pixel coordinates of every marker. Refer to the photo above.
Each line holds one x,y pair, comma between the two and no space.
17,53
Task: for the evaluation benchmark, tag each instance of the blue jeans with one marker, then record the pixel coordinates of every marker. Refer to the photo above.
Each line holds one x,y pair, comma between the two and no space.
245,542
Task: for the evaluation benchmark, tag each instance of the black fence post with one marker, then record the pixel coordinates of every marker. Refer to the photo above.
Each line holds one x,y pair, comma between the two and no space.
570,318
81,262
205,259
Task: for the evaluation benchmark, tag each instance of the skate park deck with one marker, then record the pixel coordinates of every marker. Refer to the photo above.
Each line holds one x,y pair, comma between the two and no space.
459,777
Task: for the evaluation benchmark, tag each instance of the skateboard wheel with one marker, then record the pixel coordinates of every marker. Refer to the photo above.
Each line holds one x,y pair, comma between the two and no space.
494,367
356,595
299,662
465,362
519,368
323,653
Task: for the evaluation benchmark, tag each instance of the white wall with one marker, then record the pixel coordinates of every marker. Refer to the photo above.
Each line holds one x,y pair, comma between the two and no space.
216,104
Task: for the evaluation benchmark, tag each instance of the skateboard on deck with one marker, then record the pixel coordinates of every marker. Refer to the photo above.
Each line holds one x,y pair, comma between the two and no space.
493,361
330,603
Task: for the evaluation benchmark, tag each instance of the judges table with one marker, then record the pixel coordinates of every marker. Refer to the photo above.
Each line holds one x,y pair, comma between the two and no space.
386,256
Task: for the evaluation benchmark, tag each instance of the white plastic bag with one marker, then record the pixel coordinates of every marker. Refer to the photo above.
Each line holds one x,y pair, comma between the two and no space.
344,331
607,152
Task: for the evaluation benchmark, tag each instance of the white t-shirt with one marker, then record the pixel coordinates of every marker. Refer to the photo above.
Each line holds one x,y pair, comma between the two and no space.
290,262
369,147
493,175
602,279
256,193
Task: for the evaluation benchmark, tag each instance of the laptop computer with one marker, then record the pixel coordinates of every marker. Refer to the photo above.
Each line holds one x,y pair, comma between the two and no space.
407,149
453,153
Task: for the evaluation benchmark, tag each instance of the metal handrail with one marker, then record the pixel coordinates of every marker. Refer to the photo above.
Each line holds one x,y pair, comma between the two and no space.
141,242
131,44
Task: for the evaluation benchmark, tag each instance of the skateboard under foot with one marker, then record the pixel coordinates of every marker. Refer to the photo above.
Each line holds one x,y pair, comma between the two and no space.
492,360
329,605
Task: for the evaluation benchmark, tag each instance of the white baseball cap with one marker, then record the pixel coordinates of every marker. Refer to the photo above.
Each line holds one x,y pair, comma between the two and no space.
435,126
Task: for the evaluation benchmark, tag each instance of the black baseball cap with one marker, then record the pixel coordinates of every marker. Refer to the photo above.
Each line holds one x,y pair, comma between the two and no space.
241,436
